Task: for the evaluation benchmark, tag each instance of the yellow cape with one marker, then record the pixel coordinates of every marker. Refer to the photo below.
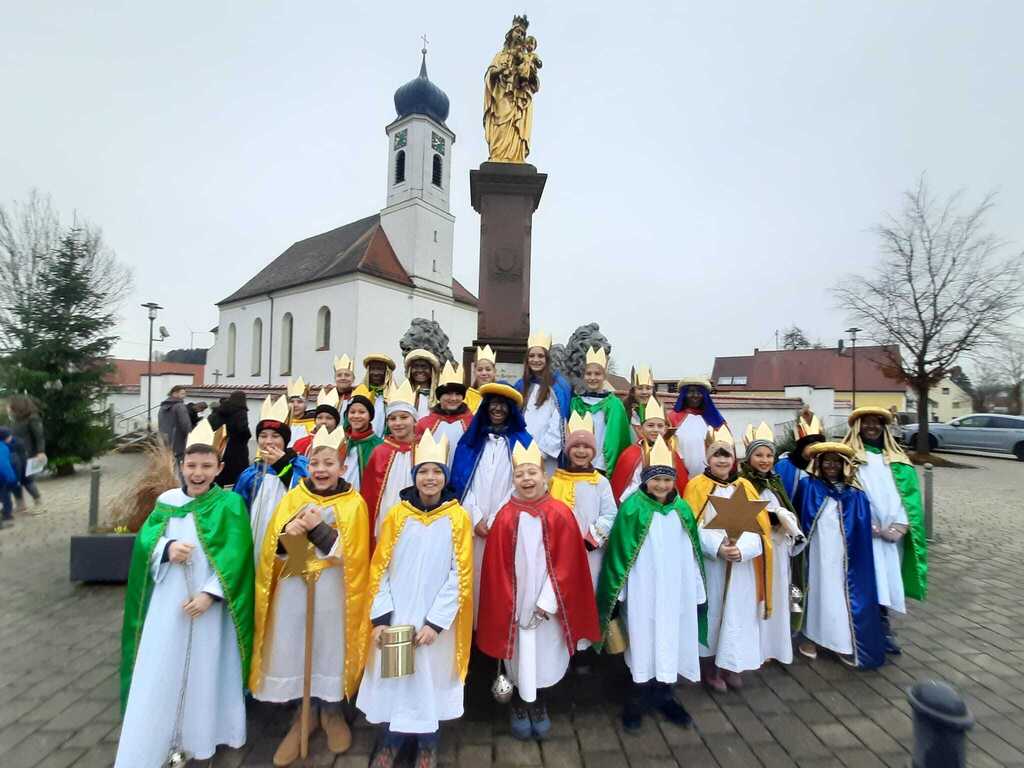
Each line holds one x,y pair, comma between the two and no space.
473,399
462,543
563,485
696,495
352,523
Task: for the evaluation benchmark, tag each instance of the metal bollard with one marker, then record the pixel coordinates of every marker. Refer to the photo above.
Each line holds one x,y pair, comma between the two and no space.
929,485
94,497
941,722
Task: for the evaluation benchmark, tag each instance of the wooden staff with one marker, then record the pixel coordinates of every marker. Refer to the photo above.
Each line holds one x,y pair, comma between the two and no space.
300,554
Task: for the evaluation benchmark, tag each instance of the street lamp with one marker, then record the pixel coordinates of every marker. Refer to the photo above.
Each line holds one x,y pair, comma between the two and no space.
151,308
853,359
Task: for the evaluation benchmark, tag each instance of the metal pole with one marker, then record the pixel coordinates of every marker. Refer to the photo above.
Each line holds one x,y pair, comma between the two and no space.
94,497
149,379
929,520
853,357
941,722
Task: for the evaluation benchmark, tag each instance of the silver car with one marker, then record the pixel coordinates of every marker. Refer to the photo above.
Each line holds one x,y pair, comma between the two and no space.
978,432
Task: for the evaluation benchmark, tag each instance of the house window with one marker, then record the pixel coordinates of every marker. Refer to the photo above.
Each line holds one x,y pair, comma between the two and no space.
956,403
739,380
257,346
436,176
945,390
724,380
231,349
323,328
400,167
286,344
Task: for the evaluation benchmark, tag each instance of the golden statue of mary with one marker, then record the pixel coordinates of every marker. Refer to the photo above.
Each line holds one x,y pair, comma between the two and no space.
509,85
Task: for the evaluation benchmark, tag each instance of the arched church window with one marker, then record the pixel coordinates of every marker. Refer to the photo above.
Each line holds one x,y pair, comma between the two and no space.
436,177
257,346
323,328
286,344
400,167
231,349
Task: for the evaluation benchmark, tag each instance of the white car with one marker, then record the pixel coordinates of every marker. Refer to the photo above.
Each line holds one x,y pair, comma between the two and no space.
994,432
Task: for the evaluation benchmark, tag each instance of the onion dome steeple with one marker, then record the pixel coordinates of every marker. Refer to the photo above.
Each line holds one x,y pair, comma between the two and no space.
420,96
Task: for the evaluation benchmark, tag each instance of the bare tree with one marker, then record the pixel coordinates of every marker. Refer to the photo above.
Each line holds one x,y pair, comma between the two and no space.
941,290
1002,365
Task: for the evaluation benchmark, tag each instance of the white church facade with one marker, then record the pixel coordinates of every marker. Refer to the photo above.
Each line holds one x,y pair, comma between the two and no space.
355,289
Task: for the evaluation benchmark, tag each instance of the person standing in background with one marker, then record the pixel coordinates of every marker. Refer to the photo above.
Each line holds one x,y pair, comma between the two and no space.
233,414
29,443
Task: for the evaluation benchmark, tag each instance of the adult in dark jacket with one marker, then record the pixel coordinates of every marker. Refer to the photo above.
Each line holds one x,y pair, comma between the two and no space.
233,414
29,443
174,422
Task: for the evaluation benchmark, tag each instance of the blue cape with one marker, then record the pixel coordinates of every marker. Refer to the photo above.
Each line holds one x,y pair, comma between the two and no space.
248,483
710,413
861,588
471,444
562,390
789,473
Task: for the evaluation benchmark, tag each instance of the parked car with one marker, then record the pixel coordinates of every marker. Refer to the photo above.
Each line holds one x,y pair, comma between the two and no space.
976,432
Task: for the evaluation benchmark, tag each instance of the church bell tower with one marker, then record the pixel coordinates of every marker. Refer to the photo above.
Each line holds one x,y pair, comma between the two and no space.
417,218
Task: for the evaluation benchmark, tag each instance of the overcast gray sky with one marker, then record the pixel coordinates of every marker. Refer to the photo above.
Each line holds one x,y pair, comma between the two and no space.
713,167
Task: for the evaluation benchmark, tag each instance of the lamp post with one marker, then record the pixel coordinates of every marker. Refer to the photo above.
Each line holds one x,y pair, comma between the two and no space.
853,359
151,309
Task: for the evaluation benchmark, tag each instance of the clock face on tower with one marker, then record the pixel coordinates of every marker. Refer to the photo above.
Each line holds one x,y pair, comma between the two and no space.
437,143
401,138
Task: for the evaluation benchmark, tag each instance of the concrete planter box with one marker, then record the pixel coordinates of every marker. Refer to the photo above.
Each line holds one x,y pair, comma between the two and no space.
101,557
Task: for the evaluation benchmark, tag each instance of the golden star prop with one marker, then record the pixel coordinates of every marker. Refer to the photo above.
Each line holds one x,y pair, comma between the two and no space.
300,552
736,514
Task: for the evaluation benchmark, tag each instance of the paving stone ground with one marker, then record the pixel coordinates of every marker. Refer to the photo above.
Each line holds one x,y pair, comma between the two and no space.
59,645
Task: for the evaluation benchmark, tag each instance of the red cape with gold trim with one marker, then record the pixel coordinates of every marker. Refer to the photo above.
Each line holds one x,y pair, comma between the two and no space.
627,464
375,477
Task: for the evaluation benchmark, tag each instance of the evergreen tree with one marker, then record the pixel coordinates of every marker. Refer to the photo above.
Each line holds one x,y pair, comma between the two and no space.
794,338
56,341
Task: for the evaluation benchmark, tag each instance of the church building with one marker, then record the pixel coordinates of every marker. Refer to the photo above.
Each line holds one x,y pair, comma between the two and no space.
356,288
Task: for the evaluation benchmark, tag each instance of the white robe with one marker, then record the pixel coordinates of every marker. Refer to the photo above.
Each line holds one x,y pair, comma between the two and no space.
827,619
634,483
283,650
399,478
734,615
298,431
422,404
776,630
539,656
690,443
886,509
544,423
420,585
489,490
595,509
352,474
453,431
380,418
599,430
662,592
214,711
264,502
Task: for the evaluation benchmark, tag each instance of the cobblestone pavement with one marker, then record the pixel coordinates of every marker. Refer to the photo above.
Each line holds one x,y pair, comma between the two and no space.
59,645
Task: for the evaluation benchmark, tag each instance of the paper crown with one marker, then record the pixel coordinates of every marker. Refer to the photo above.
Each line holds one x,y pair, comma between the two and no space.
450,374
642,376
654,409
274,410
579,423
870,410
660,454
378,357
344,363
429,449
801,429
720,435
423,354
328,397
695,381
597,356
333,439
486,353
400,394
203,434
503,390
531,455
842,449
763,432
539,339
296,388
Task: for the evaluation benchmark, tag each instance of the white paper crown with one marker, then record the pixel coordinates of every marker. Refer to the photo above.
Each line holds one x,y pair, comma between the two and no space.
539,339
344,363
429,449
274,410
486,353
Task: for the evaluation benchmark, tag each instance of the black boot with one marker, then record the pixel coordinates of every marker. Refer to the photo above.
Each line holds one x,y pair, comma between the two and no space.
637,703
891,646
665,702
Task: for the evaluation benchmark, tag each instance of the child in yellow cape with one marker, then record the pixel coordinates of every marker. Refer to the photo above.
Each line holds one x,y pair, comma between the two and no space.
333,518
422,576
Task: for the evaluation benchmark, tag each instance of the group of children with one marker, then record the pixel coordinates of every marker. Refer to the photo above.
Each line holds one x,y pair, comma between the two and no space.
524,519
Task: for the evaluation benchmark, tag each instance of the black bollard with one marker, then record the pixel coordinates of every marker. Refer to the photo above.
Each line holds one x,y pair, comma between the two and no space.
941,722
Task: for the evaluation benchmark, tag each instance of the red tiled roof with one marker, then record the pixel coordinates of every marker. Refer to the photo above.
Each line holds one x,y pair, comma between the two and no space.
462,295
773,370
128,372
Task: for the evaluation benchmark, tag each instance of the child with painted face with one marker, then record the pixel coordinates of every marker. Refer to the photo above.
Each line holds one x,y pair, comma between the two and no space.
421,575
387,472
361,438
485,371
739,573
325,511
190,590
654,568
625,480
376,383
530,618
611,423
422,369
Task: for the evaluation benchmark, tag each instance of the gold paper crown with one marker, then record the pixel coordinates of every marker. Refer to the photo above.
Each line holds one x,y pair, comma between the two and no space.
870,410
401,394
842,449
450,374
335,439
580,424
203,434
423,354
814,428
720,435
344,363
660,454
539,339
296,388
429,449
695,381
328,397
597,356
654,409
274,410
763,432
642,376
529,455
486,353
378,357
